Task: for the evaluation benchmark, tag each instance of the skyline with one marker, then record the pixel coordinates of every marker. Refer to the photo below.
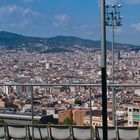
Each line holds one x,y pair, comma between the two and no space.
81,18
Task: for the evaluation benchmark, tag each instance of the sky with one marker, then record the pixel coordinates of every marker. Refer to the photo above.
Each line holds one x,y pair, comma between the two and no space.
81,18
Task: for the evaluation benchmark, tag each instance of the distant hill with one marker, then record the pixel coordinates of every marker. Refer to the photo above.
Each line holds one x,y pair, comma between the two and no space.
12,41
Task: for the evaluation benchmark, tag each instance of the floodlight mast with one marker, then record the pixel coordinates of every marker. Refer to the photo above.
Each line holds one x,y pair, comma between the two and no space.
113,19
103,70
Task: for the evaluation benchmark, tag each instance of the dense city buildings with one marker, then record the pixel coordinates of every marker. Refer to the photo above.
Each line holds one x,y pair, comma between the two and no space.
69,104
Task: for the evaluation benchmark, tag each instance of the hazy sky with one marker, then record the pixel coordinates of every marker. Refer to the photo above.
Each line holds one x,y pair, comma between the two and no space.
47,18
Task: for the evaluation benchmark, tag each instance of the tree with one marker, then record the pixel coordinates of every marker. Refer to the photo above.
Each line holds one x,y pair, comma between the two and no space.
68,121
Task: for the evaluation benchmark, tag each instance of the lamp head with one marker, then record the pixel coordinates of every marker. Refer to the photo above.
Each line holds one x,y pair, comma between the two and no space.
113,5
107,6
119,5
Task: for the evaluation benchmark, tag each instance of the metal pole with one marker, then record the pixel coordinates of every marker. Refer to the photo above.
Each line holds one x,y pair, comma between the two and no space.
113,19
139,117
90,115
103,70
113,89
32,123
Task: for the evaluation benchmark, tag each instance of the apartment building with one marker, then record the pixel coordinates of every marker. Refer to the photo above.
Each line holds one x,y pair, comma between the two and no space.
133,115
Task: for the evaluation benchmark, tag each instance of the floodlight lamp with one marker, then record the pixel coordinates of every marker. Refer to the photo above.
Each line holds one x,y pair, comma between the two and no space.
108,18
119,5
120,17
119,24
115,18
113,5
107,6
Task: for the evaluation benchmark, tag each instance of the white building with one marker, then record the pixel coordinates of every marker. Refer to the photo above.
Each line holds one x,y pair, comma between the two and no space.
133,115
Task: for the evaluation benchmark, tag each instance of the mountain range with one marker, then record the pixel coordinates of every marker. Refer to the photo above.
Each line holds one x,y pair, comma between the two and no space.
13,41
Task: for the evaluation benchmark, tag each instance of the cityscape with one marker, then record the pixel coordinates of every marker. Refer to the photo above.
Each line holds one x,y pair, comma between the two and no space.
56,72
81,66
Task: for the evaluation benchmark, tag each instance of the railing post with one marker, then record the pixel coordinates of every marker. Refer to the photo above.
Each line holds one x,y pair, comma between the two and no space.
90,114
113,89
32,110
